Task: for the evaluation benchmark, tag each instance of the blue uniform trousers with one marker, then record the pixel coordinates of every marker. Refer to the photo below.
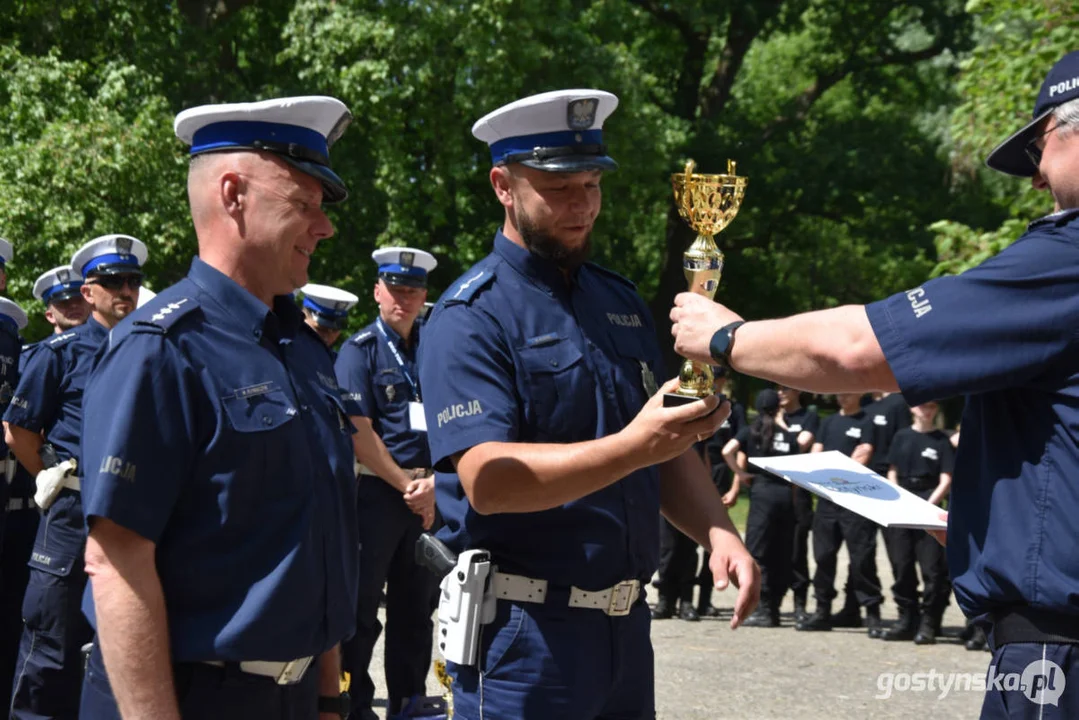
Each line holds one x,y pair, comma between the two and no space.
388,534
19,533
1039,681
206,692
553,661
48,676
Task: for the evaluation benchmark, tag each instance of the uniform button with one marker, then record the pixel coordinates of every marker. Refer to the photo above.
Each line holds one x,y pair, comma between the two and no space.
305,408
554,363
266,420
610,396
257,333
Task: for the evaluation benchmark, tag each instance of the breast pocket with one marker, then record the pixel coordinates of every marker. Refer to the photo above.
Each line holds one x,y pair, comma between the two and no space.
560,387
266,431
260,413
391,389
635,377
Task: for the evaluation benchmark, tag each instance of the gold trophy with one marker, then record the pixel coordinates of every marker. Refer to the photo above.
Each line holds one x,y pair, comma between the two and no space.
708,203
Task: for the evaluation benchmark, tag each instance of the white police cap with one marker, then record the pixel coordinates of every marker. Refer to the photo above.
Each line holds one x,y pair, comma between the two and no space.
145,296
404,265
329,305
6,252
110,255
58,284
10,312
299,130
559,131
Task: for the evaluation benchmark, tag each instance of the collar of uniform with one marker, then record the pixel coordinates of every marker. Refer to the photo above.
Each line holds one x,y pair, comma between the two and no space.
94,328
1060,217
240,308
545,271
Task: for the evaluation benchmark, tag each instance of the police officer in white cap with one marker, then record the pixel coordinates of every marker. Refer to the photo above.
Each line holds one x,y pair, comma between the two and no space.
43,425
60,290
326,309
219,486
6,253
377,366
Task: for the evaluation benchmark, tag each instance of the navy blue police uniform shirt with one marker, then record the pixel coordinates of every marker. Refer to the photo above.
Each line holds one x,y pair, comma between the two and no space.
49,396
514,353
845,432
368,371
228,444
889,415
1004,333
919,458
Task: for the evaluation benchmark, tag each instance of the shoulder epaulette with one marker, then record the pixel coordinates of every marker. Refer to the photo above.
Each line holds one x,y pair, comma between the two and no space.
1057,219
30,347
55,343
362,337
611,273
466,287
159,317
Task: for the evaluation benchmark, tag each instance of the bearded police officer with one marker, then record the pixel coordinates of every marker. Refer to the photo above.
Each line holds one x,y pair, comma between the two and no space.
325,309
396,500
222,547
555,453
1003,333
44,428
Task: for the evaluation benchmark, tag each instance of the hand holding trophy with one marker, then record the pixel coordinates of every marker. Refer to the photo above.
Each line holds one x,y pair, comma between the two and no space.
708,203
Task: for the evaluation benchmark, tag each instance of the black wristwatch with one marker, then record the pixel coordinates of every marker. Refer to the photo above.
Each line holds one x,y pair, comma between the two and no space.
338,705
723,342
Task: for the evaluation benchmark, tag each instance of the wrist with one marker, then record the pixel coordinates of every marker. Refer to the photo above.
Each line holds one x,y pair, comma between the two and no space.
338,705
721,345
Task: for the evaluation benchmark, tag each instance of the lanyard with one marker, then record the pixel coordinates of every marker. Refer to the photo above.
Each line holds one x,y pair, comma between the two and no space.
399,359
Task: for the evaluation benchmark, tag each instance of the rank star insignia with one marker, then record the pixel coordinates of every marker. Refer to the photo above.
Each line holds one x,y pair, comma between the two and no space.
391,392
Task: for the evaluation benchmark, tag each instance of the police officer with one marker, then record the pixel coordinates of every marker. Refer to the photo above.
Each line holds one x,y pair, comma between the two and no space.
43,428
921,460
1002,333
770,524
848,431
222,549
325,310
803,423
6,253
396,501
537,368
65,308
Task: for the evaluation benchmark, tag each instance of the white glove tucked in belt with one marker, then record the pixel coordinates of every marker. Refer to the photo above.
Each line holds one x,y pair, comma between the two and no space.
51,480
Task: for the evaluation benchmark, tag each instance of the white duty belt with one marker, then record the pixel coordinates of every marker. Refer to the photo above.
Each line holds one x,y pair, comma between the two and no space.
615,601
283,673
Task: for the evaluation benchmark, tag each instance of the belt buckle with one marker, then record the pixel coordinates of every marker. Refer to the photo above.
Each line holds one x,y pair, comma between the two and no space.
293,671
622,596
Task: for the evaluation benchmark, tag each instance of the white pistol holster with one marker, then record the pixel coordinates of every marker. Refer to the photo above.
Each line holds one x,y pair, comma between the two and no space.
465,602
52,480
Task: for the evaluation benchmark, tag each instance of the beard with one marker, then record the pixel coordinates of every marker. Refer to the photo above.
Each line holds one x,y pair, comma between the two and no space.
542,244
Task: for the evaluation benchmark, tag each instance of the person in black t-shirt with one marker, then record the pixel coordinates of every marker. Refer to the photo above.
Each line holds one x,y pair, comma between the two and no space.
803,423
770,524
921,460
850,432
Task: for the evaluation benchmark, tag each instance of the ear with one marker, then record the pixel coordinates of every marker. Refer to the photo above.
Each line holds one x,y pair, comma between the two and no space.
233,193
502,182
49,315
86,291
376,292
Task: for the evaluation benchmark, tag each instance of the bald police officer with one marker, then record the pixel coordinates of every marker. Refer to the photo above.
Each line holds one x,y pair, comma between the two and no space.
43,425
217,448
377,367
1004,334
554,451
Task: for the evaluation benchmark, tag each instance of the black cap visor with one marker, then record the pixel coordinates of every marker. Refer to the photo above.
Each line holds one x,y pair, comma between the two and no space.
1010,157
61,295
333,187
115,269
326,321
401,279
571,163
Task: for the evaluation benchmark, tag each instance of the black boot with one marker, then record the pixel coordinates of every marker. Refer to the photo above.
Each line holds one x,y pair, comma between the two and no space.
687,612
927,631
849,617
977,640
821,619
905,628
800,614
763,616
704,603
664,609
872,622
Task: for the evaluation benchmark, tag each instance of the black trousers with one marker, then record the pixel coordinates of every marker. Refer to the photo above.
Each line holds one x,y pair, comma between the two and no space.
677,563
388,534
770,536
832,525
907,548
20,531
803,522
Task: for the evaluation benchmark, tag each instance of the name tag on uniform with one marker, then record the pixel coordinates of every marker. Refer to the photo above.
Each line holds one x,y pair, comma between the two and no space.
416,419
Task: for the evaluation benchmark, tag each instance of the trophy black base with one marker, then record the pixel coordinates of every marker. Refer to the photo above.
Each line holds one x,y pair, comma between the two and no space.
676,400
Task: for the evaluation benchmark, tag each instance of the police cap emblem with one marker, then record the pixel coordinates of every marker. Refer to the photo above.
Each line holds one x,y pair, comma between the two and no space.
408,258
123,245
63,275
581,114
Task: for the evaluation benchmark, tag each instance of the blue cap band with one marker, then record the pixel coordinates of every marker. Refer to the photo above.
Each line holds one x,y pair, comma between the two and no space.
398,269
110,259
322,309
244,134
527,143
59,288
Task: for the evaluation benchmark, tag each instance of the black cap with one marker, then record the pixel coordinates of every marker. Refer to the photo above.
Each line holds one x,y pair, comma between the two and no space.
1060,86
767,401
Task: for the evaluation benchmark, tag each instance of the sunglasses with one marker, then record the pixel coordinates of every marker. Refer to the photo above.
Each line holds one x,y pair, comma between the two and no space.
1033,151
116,282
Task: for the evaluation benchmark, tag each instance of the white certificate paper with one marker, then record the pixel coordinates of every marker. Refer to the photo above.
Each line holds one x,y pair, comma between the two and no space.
849,484
416,419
